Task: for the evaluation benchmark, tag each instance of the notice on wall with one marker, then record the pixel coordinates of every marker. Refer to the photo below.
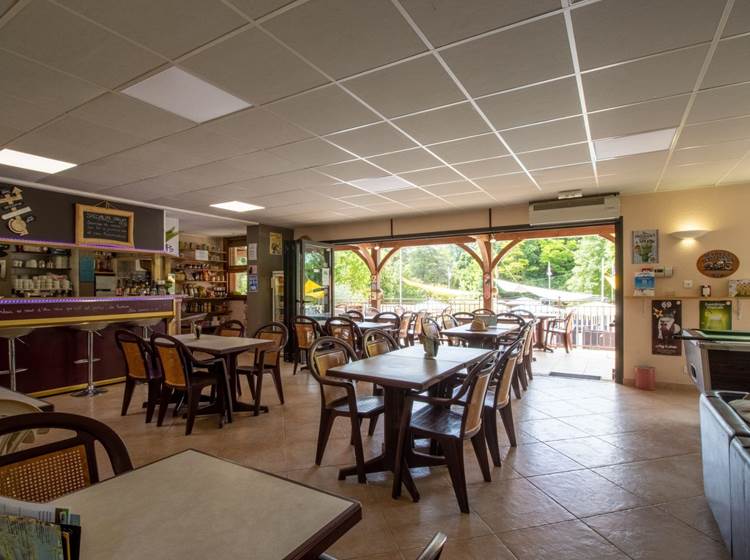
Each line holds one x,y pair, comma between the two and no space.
645,246
275,243
252,282
715,315
252,251
666,322
171,236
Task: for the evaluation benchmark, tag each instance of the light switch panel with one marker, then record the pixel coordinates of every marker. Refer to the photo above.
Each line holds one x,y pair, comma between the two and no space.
687,284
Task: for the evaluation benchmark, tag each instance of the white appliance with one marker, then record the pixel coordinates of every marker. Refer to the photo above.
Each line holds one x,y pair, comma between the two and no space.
105,285
572,210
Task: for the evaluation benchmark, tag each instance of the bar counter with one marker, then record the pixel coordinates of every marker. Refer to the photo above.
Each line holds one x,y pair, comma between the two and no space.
54,344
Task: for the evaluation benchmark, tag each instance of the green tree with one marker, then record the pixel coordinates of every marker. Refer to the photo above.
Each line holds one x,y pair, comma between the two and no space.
594,258
352,280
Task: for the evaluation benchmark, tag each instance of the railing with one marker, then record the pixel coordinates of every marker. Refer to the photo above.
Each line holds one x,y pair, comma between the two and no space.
593,323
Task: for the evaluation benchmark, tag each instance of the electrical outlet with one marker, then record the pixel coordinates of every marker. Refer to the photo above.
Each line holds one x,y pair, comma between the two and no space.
687,284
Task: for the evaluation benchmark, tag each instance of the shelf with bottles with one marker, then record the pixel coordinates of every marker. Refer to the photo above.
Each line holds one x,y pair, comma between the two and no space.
213,306
204,290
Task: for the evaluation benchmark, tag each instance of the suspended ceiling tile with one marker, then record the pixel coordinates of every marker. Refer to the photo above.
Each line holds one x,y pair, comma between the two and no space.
313,152
643,117
504,183
478,198
51,91
640,166
324,110
366,200
546,135
515,57
107,172
170,27
161,158
21,174
538,103
453,122
582,172
446,21
659,76
254,67
257,128
695,175
406,160
470,149
258,8
730,63
739,19
353,170
721,103
337,190
715,132
131,116
407,87
715,152
554,157
203,144
611,31
448,189
412,197
18,116
431,176
491,166
344,37
372,140
739,174
54,36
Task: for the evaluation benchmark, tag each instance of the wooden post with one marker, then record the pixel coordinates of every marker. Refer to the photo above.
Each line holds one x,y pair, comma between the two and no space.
376,294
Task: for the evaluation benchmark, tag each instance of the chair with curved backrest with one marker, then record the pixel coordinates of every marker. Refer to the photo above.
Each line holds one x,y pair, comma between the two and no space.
513,322
377,341
347,330
279,334
140,369
354,315
415,329
231,328
437,421
45,472
388,318
338,397
528,353
184,373
562,329
11,407
498,400
463,317
370,311
483,312
449,322
305,330
403,328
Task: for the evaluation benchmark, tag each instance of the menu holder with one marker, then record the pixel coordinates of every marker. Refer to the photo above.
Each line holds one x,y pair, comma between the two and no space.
97,225
29,530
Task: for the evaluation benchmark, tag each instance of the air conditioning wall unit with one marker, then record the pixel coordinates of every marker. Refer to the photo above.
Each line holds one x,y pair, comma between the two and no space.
574,210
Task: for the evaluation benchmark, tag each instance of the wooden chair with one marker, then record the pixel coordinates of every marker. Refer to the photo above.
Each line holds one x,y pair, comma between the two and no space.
448,322
483,312
184,373
306,330
370,311
140,369
450,429
498,400
354,315
403,328
562,329
527,354
231,328
463,318
377,341
347,330
388,318
45,472
279,334
339,397
510,320
11,442
415,329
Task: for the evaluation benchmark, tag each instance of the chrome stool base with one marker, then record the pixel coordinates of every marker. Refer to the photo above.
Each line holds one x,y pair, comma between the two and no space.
90,329
90,391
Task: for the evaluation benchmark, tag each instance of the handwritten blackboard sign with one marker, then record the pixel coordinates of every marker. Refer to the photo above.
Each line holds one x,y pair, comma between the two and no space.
96,225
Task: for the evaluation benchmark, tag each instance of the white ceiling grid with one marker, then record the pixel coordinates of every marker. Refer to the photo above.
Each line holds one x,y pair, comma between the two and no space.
380,107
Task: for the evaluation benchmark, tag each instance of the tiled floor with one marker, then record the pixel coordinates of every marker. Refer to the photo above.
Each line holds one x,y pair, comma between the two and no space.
588,361
601,472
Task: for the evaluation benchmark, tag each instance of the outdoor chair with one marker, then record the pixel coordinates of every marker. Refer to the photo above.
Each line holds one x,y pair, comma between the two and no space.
306,330
347,330
463,317
562,330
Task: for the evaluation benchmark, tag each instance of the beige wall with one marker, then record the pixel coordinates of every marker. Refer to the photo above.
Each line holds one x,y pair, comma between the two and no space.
725,211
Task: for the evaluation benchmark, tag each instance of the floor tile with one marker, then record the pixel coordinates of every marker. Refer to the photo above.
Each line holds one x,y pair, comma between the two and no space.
481,548
592,451
538,458
696,513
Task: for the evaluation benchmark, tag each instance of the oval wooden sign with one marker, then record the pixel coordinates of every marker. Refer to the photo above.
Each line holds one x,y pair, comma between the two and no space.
718,263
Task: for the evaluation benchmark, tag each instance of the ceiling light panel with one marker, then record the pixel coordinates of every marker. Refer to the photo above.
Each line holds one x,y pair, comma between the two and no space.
35,163
183,94
237,206
382,184
645,142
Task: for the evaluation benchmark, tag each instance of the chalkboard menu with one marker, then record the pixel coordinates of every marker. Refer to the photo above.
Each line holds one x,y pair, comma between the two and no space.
97,225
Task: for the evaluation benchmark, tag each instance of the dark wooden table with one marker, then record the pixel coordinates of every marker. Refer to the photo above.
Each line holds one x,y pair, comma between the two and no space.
229,348
479,337
399,372
215,508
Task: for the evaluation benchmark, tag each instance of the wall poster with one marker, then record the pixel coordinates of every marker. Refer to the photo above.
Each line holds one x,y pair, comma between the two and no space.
252,282
645,246
275,243
666,322
715,315
171,235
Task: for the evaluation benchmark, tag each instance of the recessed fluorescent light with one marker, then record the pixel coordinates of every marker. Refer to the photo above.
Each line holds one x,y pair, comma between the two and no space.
645,142
382,184
237,206
35,163
183,94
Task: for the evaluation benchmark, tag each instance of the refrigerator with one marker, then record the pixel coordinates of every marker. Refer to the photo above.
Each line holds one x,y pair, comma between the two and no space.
277,295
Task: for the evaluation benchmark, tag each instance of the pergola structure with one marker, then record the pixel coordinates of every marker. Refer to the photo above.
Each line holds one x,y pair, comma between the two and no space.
376,254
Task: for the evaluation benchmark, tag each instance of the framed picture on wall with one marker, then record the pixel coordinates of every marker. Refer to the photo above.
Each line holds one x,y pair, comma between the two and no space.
645,246
666,322
275,243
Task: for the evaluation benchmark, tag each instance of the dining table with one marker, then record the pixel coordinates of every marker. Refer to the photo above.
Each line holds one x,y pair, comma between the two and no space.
476,337
195,505
365,326
229,348
541,330
398,373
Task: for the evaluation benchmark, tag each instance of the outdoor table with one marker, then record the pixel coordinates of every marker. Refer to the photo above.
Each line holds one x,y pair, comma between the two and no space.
400,372
492,333
228,348
194,505
368,325
541,328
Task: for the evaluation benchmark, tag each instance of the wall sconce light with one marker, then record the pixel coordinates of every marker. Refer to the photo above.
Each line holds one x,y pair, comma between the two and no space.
689,233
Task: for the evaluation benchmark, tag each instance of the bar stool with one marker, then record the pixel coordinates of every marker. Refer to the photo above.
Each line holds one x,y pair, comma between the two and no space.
11,335
146,326
90,329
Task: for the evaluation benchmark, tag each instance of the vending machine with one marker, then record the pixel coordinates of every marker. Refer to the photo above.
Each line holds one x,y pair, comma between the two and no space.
277,295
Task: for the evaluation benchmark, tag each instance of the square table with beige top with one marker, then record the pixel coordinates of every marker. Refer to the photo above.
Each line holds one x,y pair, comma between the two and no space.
399,372
194,505
229,348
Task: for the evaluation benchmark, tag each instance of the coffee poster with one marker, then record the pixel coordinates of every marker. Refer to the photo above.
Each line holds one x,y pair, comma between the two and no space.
715,315
666,322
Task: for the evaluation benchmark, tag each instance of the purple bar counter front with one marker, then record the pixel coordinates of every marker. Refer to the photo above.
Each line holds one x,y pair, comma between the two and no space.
51,348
